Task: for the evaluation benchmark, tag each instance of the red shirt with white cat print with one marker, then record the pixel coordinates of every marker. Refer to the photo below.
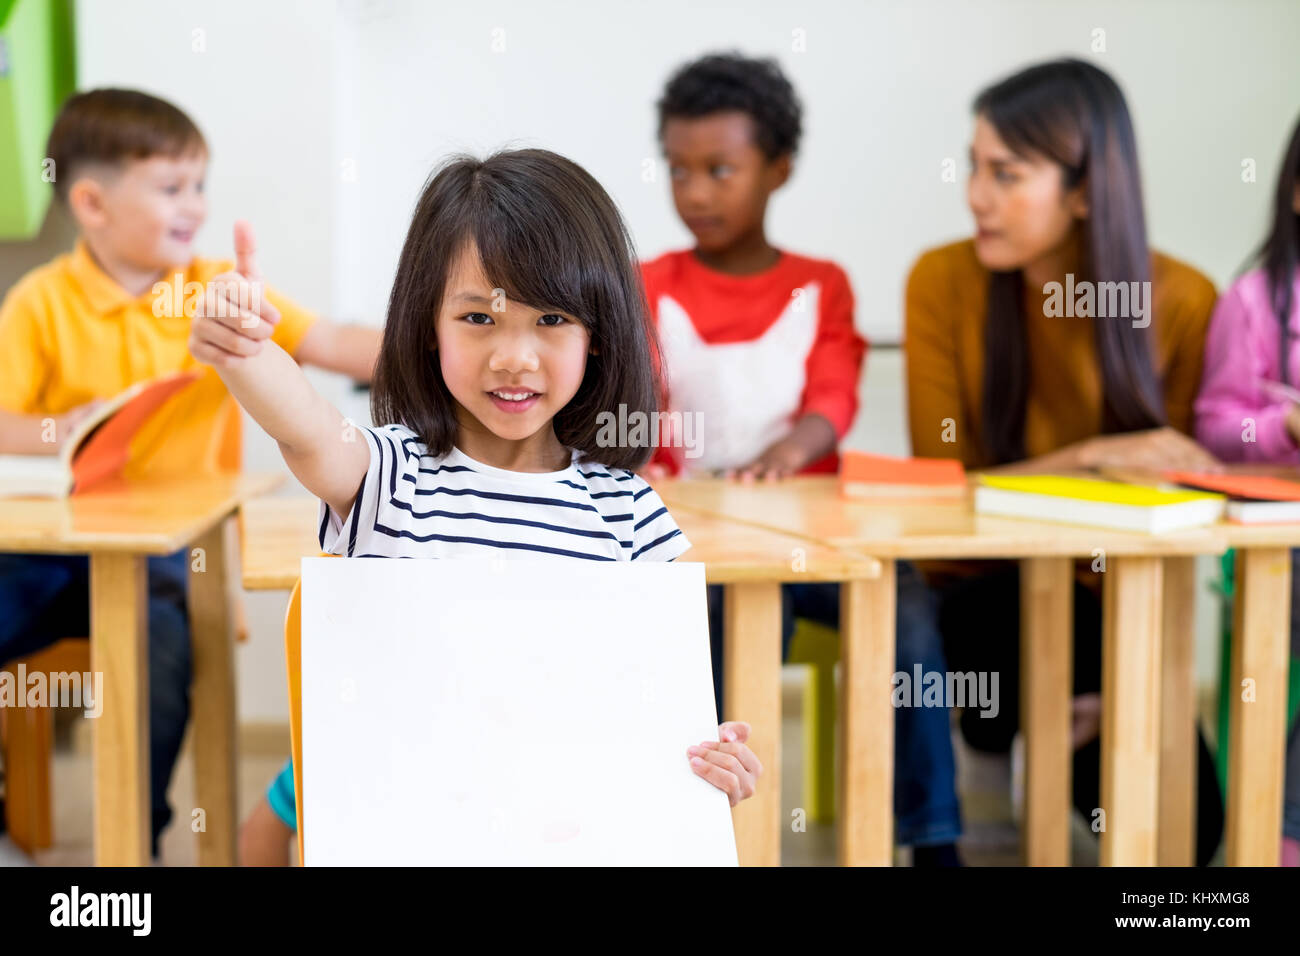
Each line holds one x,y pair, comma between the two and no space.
747,356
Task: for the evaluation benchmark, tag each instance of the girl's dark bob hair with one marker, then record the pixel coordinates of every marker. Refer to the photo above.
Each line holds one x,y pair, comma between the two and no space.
551,238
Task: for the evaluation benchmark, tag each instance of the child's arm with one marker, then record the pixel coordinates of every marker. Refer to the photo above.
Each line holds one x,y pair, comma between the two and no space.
268,383
351,350
812,439
39,434
28,360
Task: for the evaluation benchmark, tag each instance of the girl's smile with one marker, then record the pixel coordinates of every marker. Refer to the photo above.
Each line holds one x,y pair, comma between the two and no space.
514,402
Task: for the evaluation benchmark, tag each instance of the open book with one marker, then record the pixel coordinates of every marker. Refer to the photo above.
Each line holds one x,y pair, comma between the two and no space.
98,446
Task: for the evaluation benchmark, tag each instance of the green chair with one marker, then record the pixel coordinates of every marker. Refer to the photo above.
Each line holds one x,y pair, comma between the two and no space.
1226,589
818,647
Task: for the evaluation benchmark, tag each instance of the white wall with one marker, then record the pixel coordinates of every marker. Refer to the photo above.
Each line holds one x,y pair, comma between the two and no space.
324,119
887,89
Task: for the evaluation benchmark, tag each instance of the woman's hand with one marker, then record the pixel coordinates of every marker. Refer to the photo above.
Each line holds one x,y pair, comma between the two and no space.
728,764
1157,449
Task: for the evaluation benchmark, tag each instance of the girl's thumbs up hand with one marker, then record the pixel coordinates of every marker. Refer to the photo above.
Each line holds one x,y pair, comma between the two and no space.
246,267
233,318
246,251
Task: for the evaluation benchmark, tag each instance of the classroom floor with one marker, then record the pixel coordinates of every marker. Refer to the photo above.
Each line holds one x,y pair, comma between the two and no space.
992,838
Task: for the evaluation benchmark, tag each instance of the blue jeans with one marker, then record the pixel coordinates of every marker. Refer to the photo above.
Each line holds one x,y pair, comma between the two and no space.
45,598
926,809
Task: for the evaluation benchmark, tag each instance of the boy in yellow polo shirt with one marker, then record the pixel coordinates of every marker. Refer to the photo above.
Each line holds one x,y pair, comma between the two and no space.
115,311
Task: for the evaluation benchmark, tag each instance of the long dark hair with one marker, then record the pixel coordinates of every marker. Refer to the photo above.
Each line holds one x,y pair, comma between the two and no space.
1280,253
1074,114
550,237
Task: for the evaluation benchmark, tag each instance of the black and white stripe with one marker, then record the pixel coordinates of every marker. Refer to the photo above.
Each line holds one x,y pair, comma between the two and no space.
412,505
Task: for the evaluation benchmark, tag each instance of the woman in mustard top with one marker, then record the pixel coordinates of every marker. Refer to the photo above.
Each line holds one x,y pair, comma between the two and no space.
1054,339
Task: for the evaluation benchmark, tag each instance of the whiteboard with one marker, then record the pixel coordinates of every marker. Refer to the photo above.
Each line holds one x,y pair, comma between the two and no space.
480,712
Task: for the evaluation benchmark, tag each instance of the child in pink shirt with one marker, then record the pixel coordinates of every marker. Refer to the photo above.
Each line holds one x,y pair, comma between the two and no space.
1240,416
1243,414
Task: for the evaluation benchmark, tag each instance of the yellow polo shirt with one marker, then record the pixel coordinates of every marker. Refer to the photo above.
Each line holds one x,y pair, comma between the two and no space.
70,334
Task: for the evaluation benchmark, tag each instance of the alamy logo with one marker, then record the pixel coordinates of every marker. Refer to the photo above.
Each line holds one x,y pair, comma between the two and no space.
947,689
103,909
230,298
55,689
638,429
1104,300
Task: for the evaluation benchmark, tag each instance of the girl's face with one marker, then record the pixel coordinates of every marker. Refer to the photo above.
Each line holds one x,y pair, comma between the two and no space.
509,366
1021,211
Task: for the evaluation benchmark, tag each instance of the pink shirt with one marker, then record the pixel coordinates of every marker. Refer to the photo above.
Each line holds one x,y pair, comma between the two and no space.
1240,349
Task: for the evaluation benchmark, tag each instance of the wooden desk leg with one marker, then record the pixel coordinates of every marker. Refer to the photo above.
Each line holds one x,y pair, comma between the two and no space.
867,612
752,692
1130,714
1256,752
1046,688
119,643
213,593
1177,845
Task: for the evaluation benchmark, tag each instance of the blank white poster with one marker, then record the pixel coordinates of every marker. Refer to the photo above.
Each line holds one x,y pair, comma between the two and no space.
478,712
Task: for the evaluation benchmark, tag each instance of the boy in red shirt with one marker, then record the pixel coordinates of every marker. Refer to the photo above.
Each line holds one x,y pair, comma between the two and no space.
759,346
758,342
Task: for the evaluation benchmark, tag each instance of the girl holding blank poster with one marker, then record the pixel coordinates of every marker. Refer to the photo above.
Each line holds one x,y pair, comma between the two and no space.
516,322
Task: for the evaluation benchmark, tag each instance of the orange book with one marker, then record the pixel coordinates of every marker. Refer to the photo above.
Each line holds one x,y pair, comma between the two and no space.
97,448
863,475
1253,499
1251,487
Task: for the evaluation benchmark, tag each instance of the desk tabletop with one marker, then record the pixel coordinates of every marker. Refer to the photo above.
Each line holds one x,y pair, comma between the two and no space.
279,532
812,507
143,517
1282,535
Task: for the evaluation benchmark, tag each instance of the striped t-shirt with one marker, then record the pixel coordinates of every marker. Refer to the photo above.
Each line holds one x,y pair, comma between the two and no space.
412,505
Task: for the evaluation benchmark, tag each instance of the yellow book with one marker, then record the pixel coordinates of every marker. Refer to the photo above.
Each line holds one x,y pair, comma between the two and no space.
1087,501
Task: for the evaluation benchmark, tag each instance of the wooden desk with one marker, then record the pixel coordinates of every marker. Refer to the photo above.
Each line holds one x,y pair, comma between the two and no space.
752,563
119,526
1148,592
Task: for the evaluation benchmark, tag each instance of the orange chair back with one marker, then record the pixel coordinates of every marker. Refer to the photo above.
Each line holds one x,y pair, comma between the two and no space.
293,668
293,661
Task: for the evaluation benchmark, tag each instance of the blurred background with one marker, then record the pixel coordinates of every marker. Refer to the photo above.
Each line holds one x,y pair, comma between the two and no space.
324,118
